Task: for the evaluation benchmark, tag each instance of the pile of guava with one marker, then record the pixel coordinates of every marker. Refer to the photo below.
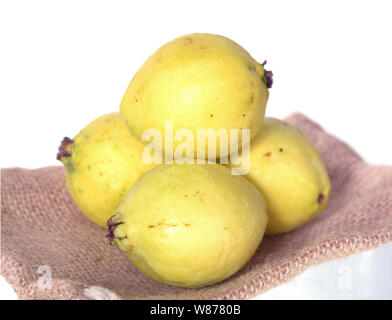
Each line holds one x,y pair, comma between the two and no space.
190,209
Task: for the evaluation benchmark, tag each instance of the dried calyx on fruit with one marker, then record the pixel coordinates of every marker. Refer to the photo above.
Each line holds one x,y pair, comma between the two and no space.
64,148
268,76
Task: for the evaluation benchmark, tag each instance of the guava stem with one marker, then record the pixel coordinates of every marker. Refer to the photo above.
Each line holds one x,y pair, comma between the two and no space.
268,76
63,148
111,228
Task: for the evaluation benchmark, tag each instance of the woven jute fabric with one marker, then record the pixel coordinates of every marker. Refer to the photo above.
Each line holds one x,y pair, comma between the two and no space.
44,235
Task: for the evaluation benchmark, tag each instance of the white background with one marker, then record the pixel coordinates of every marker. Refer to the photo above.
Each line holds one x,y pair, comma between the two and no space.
64,63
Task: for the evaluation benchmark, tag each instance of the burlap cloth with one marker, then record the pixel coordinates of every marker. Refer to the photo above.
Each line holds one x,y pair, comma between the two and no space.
41,226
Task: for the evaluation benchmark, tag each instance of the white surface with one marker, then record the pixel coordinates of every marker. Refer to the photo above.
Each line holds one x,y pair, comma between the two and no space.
65,63
361,276
6,291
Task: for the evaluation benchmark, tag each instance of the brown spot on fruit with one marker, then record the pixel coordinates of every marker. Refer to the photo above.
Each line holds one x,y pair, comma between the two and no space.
151,226
187,225
188,41
281,149
268,154
320,198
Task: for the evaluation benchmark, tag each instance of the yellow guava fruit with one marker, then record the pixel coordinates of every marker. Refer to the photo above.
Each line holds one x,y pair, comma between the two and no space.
189,225
290,173
102,163
198,81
